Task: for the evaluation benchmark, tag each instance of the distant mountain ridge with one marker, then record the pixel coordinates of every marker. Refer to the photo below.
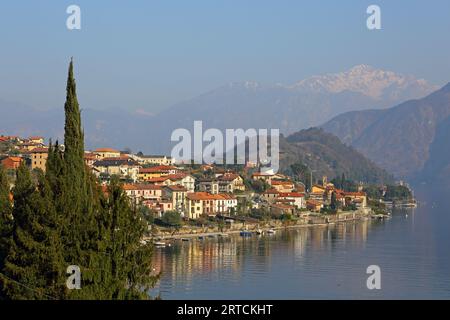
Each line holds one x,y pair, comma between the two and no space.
364,79
290,108
408,140
327,156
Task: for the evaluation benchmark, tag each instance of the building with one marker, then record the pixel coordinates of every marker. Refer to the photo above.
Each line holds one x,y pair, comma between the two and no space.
225,183
314,205
278,209
295,198
177,194
36,140
181,179
12,163
141,192
359,199
228,203
204,203
120,166
232,182
160,160
39,158
209,185
90,158
266,177
156,172
270,195
106,153
282,185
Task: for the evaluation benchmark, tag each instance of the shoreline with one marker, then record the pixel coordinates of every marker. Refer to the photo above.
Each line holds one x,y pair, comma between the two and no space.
252,228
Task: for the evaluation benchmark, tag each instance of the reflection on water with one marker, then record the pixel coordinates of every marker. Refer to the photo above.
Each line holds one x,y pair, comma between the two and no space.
314,262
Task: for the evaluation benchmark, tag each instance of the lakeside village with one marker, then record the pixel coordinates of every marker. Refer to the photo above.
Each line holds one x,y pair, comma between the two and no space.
181,201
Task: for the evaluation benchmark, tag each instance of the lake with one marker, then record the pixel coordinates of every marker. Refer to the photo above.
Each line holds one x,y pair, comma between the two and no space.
412,250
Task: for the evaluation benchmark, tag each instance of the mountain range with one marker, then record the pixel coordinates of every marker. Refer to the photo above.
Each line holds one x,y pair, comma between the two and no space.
410,140
290,108
326,155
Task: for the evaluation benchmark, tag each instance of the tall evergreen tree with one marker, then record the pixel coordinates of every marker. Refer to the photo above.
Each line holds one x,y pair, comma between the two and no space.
130,260
33,266
6,221
79,201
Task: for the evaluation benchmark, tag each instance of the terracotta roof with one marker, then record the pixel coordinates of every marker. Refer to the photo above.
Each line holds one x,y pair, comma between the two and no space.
281,183
141,187
39,150
106,150
11,163
228,177
111,162
313,202
157,169
292,194
157,179
176,188
178,176
198,196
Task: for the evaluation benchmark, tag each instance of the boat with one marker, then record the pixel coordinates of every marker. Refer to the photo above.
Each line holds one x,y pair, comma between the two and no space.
245,233
185,239
201,237
224,235
271,231
211,236
159,244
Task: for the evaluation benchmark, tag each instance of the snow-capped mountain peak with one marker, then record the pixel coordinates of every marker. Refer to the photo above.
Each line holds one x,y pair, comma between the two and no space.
367,80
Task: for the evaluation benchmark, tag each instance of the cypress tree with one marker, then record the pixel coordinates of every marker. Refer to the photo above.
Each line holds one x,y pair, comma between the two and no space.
33,266
130,260
79,199
6,222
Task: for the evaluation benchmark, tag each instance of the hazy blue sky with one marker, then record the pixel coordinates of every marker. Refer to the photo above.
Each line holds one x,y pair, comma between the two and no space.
150,54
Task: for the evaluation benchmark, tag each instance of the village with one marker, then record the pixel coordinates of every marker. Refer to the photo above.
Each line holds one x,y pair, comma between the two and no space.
196,192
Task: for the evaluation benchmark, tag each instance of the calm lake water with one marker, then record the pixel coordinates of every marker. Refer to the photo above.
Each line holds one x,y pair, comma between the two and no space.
412,249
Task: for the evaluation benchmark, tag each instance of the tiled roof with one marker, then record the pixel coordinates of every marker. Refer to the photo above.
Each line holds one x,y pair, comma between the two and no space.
176,188
292,194
141,187
112,162
281,183
39,150
106,150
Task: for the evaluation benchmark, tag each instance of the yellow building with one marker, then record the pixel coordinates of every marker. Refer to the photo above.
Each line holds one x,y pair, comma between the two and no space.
156,172
106,153
39,158
157,160
194,205
318,189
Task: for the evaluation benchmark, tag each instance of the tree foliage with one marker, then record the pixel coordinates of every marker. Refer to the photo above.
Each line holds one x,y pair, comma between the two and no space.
64,218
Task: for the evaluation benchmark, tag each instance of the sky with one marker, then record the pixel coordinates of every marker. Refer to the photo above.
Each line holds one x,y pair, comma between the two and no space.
149,54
